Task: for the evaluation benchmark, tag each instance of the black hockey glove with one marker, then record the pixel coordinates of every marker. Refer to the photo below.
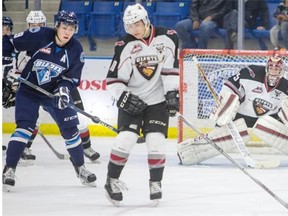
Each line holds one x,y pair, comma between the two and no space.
8,95
62,99
131,104
172,102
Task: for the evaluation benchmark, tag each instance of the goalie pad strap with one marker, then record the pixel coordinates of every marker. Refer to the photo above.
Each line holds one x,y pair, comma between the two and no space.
196,150
272,132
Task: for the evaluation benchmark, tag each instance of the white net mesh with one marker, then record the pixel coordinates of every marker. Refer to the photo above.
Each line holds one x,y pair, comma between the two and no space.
218,65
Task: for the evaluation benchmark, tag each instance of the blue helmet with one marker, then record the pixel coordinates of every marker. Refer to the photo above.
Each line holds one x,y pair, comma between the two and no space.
7,21
67,18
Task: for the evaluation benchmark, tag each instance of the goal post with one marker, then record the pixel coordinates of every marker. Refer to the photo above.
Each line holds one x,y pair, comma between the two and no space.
196,101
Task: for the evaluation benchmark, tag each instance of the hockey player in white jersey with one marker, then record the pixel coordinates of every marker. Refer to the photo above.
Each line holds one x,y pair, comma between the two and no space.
257,94
38,19
144,78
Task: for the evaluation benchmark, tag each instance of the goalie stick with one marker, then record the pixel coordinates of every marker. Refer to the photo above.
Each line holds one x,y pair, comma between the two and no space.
235,163
58,154
95,119
250,162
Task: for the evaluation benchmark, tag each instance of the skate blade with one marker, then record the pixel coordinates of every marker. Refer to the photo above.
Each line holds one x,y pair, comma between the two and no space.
97,161
89,184
114,202
155,202
25,163
6,188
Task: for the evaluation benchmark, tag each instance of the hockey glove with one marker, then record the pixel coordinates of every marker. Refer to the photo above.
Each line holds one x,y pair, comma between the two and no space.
61,99
8,95
172,102
131,104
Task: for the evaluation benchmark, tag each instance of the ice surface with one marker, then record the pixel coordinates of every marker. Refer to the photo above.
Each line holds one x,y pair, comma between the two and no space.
50,186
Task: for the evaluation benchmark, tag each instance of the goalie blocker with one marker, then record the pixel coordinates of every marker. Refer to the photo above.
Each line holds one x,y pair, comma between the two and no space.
197,150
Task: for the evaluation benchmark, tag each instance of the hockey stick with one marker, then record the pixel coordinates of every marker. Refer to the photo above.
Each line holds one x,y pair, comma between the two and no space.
250,162
58,154
285,204
95,119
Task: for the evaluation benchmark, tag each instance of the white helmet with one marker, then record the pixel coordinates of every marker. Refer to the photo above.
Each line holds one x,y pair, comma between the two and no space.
133,14
36,17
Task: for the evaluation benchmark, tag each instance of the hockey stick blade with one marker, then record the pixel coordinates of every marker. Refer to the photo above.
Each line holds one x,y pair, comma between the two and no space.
95,119
57,154
267,164
235,163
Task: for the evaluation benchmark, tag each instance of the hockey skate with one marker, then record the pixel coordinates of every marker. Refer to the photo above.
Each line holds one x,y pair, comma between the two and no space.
155,192
86,177
8,178
92,155
27,158
113,189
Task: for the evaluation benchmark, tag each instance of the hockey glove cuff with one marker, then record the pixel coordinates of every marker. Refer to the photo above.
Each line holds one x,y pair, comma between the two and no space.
131,104
172,102
61,99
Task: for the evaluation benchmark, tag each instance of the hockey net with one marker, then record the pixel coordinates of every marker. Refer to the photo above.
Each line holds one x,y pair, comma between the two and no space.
196,100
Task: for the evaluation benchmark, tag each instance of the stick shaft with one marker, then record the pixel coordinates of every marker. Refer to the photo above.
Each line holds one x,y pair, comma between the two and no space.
95,119
282,202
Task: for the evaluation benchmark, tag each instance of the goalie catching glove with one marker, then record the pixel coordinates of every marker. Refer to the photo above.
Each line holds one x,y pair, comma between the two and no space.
226,108
172,102
131,103
61,98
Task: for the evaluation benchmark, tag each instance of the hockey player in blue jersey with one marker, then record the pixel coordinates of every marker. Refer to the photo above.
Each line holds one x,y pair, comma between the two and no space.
56,65
38,19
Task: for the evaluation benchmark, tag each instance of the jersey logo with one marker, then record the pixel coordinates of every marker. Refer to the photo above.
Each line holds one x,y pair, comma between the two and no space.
261,106
46,70
63,59
147,66
136,48
257,90
45,50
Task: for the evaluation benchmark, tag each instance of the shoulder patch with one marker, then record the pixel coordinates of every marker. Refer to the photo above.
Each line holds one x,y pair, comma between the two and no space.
18,34
171,32
119,43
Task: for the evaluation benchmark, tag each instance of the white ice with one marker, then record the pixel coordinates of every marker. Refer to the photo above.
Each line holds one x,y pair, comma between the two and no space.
50,186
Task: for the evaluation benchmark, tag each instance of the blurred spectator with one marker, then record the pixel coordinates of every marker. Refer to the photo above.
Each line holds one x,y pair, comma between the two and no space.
205,16
281,27
3,6
256,17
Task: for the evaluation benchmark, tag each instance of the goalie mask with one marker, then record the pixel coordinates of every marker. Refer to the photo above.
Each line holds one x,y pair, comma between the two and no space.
36,17
274,70
133,14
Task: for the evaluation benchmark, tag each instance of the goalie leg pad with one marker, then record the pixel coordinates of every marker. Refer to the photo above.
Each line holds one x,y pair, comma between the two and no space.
272,132
197,150
283,113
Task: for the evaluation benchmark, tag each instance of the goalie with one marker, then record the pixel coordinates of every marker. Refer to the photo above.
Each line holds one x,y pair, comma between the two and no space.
256,97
